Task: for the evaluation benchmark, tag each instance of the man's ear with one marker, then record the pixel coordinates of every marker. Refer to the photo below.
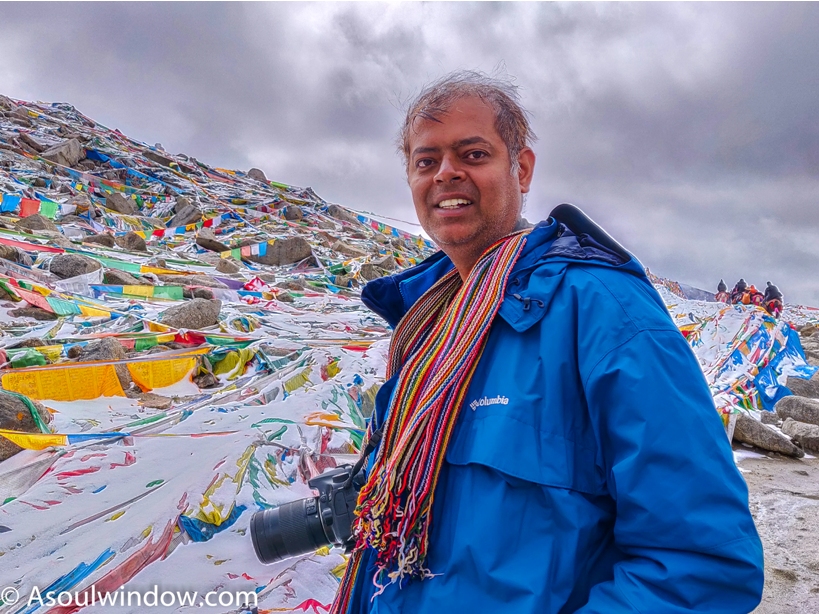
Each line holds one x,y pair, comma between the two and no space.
526,168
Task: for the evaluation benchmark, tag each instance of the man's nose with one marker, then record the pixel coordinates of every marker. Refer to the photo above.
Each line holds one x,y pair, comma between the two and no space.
450,170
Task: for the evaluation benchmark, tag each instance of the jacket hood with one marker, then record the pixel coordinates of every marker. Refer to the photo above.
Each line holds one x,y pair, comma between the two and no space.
567,237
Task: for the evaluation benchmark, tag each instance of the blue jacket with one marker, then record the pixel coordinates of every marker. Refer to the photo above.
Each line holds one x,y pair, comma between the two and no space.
588,471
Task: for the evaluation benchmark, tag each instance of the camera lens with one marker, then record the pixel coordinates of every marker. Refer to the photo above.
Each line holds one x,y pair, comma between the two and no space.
288,530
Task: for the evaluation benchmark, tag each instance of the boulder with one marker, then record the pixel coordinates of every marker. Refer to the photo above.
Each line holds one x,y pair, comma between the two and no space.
184,216
197,293
348,250
190,280
284,251
15,415
32,312
769,417
340,213
105,239
35,145
369,272
115,277
154,401
799,409
806,435
108,349
14,254
121,204
293,213
206,238
297,284
228,266
751,431
195,314
258,175
37,222
132,242
205,380
67,153
387,263
804,387
66,266
154,156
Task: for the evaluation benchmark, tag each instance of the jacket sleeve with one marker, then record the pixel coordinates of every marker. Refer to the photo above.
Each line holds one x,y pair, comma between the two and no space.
682,517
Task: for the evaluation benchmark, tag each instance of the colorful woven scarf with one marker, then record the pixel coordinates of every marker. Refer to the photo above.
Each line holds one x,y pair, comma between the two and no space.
436,347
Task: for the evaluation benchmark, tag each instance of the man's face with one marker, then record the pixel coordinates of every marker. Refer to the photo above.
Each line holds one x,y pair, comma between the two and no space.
460,176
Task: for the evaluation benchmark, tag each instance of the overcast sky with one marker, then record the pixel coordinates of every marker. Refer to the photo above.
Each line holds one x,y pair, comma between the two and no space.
689,131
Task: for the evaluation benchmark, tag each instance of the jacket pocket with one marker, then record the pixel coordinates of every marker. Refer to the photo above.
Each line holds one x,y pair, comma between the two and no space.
524,452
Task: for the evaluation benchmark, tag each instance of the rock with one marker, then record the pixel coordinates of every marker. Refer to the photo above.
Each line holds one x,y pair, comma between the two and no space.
195,314
32,342
197,293
108,349
184,216
66,266
369,272
258,175
387,263
751,431
804,387
191,280
284,251
32,312
806,435
293,213
205,380
115,277
37,222
348,250
228,266
206,238
182,202
34,144
14,254
104,239
15,415
340,213
154,401
157,157
769,417
799,409
296,284
60,240
67,153
284,297
121,204
808,330
132,242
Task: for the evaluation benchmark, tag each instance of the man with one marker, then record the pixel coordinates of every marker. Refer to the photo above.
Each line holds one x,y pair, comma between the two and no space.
549,443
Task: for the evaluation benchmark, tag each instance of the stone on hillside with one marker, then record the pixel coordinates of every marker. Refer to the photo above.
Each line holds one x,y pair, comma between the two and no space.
66,266
115,277
751,431
293,213
808,330
105,239
369,272
67,153
34,144
810,345
184,216
798,408
228,266
257,174
190,280
197,293
132,242
284,251
206,238
157,157
806,435
206,380
15,415
32,312
154,401
14,254
37,222
804,387
769,417
296,284
121,204
108,349
387,263
340,213
348,250
195,314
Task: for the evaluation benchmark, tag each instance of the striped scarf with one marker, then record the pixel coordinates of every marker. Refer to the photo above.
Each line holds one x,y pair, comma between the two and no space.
435,348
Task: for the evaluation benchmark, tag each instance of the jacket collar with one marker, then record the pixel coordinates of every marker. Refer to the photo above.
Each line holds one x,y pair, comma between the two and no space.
568,236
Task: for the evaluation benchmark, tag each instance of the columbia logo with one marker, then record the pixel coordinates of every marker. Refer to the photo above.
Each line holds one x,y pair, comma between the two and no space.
488,401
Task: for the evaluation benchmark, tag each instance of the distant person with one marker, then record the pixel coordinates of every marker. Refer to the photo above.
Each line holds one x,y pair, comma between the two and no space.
753,296
773,300
722,295
738,292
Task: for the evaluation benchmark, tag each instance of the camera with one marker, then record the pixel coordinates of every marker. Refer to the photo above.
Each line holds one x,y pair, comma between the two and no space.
308,524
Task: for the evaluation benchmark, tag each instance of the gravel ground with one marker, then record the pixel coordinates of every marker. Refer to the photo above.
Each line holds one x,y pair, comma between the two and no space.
784,499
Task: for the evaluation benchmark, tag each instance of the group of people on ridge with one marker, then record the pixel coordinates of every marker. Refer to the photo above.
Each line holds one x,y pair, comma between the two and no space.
744,294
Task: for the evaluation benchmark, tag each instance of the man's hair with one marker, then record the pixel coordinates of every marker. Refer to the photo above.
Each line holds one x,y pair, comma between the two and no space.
511,119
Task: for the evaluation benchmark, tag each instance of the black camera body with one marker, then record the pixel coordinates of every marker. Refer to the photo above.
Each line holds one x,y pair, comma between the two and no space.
303,526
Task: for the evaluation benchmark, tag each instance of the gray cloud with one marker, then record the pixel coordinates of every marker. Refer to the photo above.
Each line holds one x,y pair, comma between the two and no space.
688,130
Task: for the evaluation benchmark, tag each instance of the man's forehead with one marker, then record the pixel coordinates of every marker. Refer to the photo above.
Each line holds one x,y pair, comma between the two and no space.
465,121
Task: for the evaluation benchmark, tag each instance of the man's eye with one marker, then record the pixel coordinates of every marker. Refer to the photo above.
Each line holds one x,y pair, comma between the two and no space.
424,163
476,155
